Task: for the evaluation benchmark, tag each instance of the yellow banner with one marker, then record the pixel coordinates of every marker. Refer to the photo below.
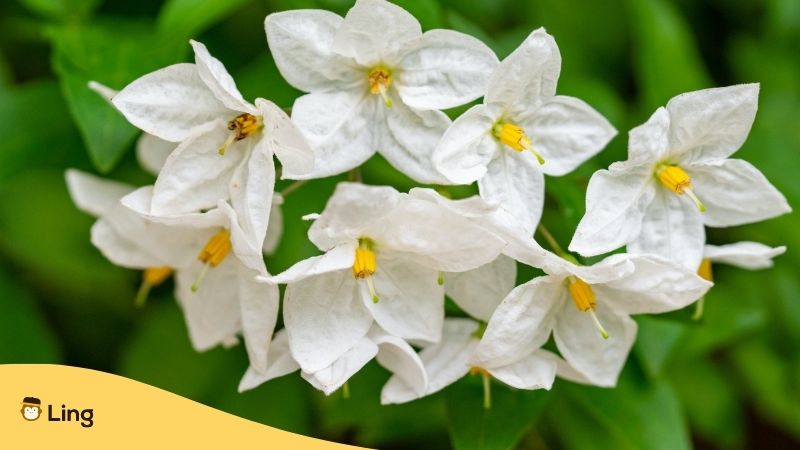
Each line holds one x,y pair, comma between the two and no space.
51,406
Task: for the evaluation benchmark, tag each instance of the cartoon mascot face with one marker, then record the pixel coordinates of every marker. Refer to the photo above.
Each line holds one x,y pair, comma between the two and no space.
31,408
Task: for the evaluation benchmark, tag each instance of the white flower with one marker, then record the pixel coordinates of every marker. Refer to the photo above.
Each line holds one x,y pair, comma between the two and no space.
522,131
587,308
681,149
747,255
384,254
375,83
391,352
226,143
230,299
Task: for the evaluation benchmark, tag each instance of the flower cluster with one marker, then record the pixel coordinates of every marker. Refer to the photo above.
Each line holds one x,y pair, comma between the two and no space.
375,82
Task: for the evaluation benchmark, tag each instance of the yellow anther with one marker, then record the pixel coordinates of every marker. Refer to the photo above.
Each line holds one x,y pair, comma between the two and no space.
583,296
365,265
156,275
678,181
241,126
212,254
705,270
515,138
380,78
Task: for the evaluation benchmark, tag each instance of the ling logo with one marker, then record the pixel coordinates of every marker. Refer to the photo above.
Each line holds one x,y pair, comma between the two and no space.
32,410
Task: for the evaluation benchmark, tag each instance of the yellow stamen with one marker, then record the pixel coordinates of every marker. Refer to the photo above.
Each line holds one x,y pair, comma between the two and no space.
583,296
705,273
678,181
379,81
212,254
365,264
241,126
515,138
151,277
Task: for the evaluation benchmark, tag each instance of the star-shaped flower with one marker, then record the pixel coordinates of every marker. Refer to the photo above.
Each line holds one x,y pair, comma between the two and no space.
384,255
522,131
375,83
214,272
678,178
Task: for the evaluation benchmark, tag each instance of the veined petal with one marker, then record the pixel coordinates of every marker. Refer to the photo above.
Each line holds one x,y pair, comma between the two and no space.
120,249
610,269
616,203
711,124
94,195
467,147
140,202
258,303
376,31
512,182
338,125
673,229
567,132
655,286
287,141
479,291
735,193
444,70
338,258
300,42
152,152
400,358
218,80
170,102
331,378
445,362
599,360
649,142
279,363
747,255
411,304
325,317
528,75
531,372
522,322
251,188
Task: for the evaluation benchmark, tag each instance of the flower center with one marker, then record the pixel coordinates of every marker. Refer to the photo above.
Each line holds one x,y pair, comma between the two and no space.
151,277
241,126
212,254
583,296
379,81
365,264
678,181
514,137
705,270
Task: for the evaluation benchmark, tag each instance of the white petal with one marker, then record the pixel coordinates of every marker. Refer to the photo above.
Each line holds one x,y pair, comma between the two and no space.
287,142
528,75
516,185
434,236
170,102
218,80
711,124
331,378
411,304
140,202
251,187
94,195
747,255
521,323
300,42
259,303
467,147
531,372
409,139
655,286
338,258
376,31
599,360
279,363
563,369
649,142
325,316
212,313
338,125
479,291
673,229
734,193
445,362
616,203
470,207
446,69
400,358
152,152
120,249
195,175
610,269
102,90
274,226
567,132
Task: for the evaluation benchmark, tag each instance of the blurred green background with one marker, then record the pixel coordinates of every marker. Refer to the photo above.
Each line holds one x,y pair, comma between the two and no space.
730,381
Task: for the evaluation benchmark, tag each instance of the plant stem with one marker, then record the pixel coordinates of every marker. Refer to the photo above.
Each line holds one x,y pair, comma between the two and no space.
293,187
487,391
550,240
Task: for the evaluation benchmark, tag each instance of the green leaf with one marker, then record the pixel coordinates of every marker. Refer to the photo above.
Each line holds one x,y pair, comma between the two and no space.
23,329
472,427
62,9
113,54
182,19
428,12
655,342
